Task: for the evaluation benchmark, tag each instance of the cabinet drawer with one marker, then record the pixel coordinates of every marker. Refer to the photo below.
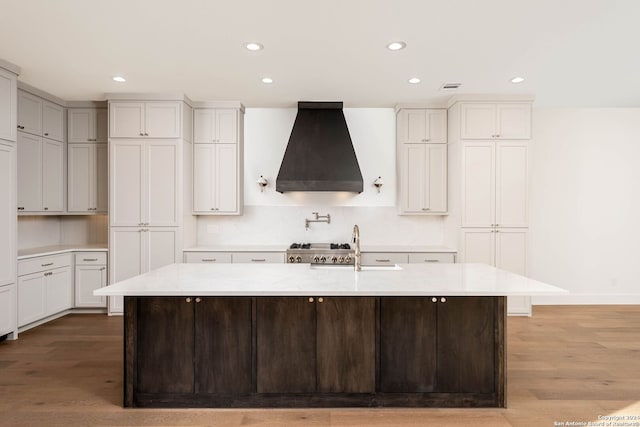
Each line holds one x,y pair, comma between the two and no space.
33,265
423,257
91,258
384,258
258,257
207,257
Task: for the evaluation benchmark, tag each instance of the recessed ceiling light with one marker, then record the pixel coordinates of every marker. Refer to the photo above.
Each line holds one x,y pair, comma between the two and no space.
267,80
119,79
396,45
253,46
517,80
414,80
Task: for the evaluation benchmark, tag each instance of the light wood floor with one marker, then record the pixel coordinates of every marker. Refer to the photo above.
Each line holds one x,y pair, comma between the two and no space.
564,364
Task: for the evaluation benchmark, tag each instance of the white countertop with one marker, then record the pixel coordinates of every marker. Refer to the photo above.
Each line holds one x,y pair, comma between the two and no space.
303,280
59,249
283,248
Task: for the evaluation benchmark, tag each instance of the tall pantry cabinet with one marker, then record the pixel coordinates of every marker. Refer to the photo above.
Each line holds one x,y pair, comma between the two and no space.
145,186
489,186
8,189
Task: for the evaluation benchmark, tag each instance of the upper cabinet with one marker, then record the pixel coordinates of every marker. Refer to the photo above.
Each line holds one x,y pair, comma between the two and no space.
503,120
87,125
215,126
40,117
422,126
159,119
8,105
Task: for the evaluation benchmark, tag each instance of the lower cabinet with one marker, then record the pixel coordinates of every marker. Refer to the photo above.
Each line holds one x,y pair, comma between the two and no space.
7,309
90,274
43,294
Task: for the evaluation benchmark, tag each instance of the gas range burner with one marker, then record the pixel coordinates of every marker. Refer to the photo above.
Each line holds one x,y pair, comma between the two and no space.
339,246
320,253
300,246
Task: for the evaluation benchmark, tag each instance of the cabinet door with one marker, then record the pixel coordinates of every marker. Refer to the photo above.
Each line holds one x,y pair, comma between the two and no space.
100,128
125,260
511,255
101,178
466,356
165,327
226,178
478,184
29,113
223,343
53,175
126,119
384,258
7,309
162,120
286,345
52,121
160,247
204,122
437,126
59,290
29,173
81,178
31,298
208,257
8,105
478,121
226,126
413,126
512,184
88,278
258,257
407,345
513,121
413,178
127,181
346,340
436,186
8,225
478,245
203,178
81,125
161,184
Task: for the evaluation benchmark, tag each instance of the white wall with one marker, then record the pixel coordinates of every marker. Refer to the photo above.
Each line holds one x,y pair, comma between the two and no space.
275,218
37,231
585,204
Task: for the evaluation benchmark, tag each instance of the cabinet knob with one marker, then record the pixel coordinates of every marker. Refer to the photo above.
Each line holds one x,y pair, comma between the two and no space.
46,134
310,299
198,299
434,299
187,300
146,134
321,300
443,299
141,134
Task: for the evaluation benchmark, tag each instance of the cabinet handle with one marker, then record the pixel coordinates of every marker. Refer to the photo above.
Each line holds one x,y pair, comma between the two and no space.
383,260
46,209
497,231
103,268
426,209
208,260
431,260
258,260
46,134
90,259
141,134
47,264
188,300
198,299
310,299
48,274
443,299
434,299
146,134
20,208
320,300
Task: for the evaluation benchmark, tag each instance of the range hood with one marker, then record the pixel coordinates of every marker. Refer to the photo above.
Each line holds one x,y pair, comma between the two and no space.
320,154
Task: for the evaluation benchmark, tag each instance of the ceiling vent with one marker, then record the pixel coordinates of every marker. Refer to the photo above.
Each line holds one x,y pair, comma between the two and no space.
450,86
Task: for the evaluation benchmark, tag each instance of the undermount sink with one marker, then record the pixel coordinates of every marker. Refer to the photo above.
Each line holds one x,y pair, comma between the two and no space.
392,267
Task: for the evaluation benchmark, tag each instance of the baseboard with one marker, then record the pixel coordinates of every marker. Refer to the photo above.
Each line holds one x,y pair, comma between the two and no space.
61,314
587,300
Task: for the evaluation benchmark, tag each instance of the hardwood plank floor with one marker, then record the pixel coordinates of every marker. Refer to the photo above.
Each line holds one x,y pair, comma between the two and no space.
566,363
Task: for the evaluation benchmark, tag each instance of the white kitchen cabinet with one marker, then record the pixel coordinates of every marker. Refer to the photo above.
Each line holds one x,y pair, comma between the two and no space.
207,257
384,258
160,119
422,173
495,184
258,257
31,298
58,290
137,250
8,105
43,293
215,179
40,174
8,224
144,183
90,274
87,125
215,126
40,117
421,126
87,178
431,257
504,120
7,309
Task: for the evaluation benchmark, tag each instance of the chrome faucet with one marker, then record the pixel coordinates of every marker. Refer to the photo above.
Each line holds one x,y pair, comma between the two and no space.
356,242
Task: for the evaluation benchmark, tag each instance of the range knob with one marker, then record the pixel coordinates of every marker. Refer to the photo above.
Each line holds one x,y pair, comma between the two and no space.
341,259
323,259
298,258
291,258
334,259
316,258
347,259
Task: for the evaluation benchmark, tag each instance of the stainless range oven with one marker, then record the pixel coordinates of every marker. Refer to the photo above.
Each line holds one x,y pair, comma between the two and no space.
321,253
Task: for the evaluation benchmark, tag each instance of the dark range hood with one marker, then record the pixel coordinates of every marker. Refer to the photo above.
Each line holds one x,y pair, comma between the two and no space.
320,154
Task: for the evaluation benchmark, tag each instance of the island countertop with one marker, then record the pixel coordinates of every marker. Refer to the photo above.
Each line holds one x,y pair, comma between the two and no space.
305,280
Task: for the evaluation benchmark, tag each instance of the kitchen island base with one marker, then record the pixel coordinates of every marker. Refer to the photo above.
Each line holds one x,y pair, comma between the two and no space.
258,352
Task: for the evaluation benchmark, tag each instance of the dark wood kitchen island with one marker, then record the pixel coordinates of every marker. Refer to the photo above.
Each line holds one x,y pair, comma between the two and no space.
293,336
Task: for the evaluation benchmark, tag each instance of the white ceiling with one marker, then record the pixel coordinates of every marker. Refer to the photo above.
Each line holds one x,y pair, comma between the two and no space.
571,52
